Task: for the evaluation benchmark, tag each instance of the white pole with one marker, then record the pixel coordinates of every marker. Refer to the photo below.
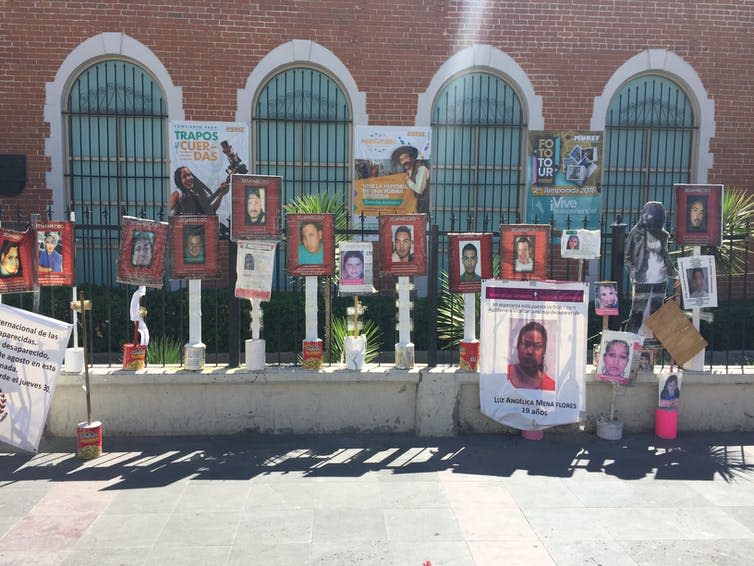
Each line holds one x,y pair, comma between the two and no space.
404,311
310,288
469,317
697,362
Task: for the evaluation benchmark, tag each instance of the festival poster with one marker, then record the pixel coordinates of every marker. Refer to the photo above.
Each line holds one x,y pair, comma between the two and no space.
356,268
255,263
532,352
310,244
17,251
255,206
563,178
698,281
580,244
141,256
203,156
619,353
55,253
194,247
470,261
392,171
524,251
31,353
699,216
403,244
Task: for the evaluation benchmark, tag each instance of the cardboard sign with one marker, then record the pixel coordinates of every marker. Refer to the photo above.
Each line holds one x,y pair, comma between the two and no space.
675,332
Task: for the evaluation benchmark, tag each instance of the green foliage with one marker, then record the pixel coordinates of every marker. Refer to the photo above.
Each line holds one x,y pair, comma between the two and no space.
738,211
165,350
340,330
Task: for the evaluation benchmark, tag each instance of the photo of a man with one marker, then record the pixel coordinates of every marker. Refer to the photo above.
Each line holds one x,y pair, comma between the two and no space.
524,251
254,211
696,212
416,175
403,245
142,248
310,249
50,259
697,283
193,245
469,263
531,347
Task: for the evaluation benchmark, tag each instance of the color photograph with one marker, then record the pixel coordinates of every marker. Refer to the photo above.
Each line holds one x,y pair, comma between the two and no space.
470,261
524,251
255,206
698,221
310,240
194,247
403,244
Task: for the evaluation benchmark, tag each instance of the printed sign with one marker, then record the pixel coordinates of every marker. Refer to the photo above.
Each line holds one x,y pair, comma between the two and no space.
55,253
255,262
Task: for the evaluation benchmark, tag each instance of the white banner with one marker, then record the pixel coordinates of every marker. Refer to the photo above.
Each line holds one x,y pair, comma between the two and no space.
32,348
255,263
532,352
203,155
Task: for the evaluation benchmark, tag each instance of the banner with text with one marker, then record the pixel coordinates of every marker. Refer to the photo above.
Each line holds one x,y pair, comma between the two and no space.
532,352
32,348
563,178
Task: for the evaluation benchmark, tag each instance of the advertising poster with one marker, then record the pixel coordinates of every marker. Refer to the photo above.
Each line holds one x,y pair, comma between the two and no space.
563,178
698,281
403,244
532,352
31,353
255,263
194,247
392,170
699,219
356,268
55,253
310,244
141,257
203,156
470,261
255,206
524,251
17,251
619,352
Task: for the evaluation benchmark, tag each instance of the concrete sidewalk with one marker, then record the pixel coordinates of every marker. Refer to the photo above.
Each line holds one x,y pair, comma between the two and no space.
383,500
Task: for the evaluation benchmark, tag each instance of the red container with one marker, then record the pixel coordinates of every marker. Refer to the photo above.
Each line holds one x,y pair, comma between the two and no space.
666,423
134,356
312,354
89,440
469,358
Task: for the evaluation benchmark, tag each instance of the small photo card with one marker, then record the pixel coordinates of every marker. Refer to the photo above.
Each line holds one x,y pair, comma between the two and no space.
310,244
255,206
194,247
698,281
403,244
524,251
470,261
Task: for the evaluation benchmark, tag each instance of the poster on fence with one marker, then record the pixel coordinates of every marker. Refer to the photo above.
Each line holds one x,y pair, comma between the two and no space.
32,348
700,215
255,206
356,268
470,261
194,249
203,156
532,352
255,262
698,281
141,256
55,249
392,170
564,178
16,261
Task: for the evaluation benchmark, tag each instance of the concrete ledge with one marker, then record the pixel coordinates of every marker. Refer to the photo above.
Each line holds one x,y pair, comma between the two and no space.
440,401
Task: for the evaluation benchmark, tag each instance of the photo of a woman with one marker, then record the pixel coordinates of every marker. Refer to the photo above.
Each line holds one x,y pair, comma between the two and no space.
10,262
671,392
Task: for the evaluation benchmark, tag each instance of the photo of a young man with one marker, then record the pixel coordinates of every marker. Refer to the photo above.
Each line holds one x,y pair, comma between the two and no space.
403,245
696,214
524,261
193,244
469,263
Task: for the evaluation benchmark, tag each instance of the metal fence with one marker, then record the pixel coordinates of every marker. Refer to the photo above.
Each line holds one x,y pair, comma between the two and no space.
225,320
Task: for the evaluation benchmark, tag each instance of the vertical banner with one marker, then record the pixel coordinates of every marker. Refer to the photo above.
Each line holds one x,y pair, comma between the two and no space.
17,250
255,262
391,170
55,249
141,257
532,352
564,178
356,268
32,348
203,156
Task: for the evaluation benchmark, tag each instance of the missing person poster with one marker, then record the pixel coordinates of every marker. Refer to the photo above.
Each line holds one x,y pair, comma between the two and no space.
392,170
255,262
698,281
564,178
141,256
17,251
532,352
203,156
356,268
55,249
32,348
699,219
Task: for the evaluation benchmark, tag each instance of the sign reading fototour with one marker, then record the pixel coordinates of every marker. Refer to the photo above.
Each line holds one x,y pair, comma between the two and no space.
532,352
31,353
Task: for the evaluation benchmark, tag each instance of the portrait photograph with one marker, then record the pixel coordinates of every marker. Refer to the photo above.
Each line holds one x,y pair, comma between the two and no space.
356,261
698,220
403,244
698,281
255,206
531,363
16,261
580,244
606,299
194,247
669,389
141,256
524,251
55,253
310,244
470,261
617,352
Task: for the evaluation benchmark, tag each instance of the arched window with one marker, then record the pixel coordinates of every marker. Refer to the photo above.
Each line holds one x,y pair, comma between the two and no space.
649,139
116,158
478,126
302,132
